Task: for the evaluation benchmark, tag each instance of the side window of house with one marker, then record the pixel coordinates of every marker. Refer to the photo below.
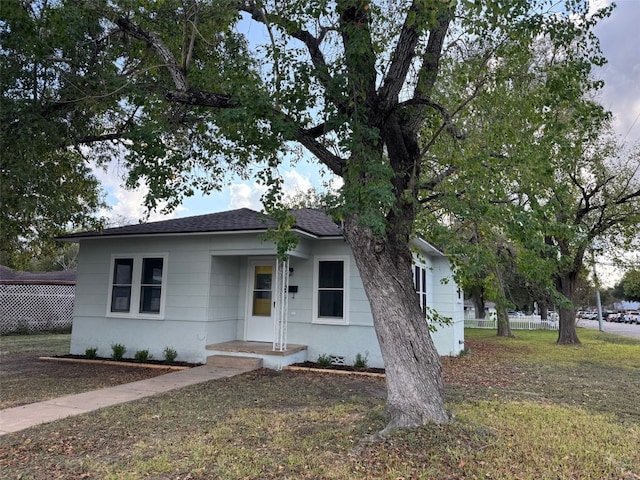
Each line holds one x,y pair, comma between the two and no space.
137,285
331,290
420,284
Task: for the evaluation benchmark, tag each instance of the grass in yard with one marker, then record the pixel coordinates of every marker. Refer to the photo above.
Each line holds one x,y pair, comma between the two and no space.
524,409
25,379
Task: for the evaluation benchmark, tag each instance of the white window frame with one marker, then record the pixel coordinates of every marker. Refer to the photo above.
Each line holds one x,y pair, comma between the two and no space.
136,284
344,320
420,283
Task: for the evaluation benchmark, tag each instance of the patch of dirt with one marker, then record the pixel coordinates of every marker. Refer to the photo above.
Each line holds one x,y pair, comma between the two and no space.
26,379
480,367
131,360
345,368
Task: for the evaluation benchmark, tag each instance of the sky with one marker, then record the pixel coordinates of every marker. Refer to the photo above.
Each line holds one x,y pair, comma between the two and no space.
620,40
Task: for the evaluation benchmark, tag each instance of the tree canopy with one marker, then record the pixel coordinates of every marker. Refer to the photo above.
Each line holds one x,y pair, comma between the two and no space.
49,58
631,285
381,94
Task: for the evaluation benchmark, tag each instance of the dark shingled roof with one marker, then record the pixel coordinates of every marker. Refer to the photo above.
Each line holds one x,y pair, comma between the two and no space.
9,276
308,220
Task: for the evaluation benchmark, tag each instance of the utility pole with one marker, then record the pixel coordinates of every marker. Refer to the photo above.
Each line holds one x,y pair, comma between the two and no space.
597,284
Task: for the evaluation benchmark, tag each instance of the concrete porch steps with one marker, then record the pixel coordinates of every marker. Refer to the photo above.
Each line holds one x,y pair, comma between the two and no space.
274,359
233,361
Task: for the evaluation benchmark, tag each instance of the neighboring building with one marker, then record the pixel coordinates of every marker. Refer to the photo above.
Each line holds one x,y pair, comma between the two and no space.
35,301
470,310
211,283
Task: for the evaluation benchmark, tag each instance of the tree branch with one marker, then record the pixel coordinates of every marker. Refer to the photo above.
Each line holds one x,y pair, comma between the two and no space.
177,74
401,61
335,163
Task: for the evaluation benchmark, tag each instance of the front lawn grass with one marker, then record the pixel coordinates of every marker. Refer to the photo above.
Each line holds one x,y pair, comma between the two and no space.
524,408
25,379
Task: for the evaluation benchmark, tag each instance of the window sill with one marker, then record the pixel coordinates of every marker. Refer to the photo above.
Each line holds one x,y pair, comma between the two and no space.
136,316
329,321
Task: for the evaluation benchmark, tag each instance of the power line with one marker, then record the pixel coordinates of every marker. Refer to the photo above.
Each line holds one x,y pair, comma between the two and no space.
631,127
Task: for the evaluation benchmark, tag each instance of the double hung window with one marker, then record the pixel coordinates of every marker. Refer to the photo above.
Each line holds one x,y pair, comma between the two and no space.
137,286
420,284
330,292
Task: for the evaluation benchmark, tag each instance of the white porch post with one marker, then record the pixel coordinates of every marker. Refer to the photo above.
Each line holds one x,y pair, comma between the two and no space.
282,305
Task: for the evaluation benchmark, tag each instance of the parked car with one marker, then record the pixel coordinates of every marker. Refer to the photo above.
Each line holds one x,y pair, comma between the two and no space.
632,317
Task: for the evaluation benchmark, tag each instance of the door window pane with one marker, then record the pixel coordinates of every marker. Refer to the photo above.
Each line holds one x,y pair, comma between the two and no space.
262,279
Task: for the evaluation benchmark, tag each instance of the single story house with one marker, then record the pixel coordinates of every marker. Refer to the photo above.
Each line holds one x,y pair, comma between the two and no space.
212,284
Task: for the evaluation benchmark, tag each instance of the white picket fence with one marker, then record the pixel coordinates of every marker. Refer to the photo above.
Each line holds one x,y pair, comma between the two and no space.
528,322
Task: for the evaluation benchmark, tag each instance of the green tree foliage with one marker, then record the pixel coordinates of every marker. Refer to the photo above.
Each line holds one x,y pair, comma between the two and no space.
631,285
50,62
535,168
371,90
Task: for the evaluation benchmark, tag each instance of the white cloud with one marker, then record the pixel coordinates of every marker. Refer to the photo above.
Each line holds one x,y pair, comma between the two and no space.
294,182
127,206
247,195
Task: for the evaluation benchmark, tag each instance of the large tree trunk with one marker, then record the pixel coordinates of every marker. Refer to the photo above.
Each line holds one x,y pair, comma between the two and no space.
543,309
567,334
414,376
503,325
477,296
502,317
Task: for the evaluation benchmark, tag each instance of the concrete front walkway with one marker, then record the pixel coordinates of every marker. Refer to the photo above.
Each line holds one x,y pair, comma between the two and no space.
18,418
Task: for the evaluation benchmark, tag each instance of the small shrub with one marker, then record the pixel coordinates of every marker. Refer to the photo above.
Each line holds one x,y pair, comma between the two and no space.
170,355
117,351
91,353
362,361
464,352
142,356
324,360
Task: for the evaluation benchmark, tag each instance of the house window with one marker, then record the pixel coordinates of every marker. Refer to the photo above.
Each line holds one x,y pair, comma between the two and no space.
330,292
420,284
137,286
122,283
151,285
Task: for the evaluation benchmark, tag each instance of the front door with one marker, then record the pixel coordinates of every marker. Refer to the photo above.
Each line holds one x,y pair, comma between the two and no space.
261,301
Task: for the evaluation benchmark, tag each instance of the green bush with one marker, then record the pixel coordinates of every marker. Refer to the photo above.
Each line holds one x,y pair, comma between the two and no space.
91,353
142,356
325,360
118,350
362,361
170,355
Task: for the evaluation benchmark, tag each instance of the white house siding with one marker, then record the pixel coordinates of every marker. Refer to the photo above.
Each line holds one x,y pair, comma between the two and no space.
448,300
206,295
346,341
186,302
225,298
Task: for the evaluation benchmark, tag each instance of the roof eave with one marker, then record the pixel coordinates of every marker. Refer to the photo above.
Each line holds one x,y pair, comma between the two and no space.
97,236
